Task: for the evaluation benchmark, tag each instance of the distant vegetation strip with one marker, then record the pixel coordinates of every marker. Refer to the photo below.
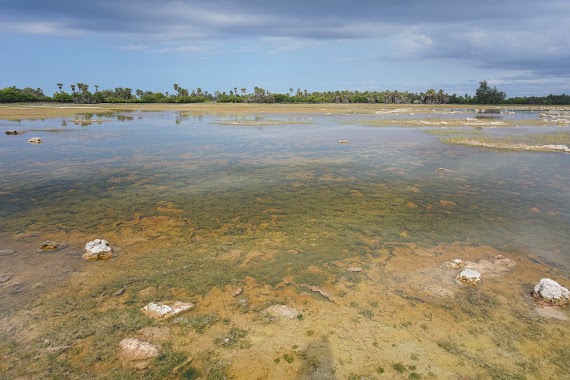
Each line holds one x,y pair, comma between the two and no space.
81,94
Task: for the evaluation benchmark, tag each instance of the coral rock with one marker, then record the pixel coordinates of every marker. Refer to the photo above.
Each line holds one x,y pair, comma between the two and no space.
49,245
97,249
166,309
469,276
551,291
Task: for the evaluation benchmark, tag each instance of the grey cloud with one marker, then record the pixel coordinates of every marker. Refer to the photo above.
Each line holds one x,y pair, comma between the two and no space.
308,19
514,34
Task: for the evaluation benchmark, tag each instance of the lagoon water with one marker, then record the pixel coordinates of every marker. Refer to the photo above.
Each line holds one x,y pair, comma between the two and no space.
238,217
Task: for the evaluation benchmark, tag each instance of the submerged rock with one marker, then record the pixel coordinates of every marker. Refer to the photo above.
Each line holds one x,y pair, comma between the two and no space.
15,132
238,291
550,291
343,141
97,249
548,312
469,276
166,309
281,311
436,291
455,263
35,140
137,353
5,277
57,349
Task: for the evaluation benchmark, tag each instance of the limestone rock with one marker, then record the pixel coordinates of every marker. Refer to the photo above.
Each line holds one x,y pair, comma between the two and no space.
35,140
166,309
97,249
137,353
281,311
469,276
551,291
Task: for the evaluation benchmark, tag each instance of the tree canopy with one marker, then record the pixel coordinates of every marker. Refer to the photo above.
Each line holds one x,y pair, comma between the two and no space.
81,94
487,95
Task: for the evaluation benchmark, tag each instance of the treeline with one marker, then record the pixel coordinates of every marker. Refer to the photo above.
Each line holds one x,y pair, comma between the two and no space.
82,94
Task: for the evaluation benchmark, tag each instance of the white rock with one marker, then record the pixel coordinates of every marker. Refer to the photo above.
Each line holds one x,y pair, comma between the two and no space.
98,246
97,249
35,140
281,311
166,309
137,353
551,291
469,276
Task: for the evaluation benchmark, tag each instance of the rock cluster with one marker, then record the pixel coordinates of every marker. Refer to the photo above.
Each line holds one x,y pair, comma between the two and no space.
97,249
166,309
550,291
35,140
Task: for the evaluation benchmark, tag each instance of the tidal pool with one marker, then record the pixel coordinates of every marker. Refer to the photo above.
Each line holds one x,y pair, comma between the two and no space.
236,214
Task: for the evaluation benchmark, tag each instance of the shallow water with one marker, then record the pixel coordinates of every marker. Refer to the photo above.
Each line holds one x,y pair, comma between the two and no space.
195,210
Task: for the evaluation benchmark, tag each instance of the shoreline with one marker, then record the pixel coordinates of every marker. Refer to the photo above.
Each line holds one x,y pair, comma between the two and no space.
33,111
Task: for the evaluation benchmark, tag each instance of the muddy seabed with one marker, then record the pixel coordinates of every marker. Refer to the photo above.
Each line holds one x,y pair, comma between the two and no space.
356,237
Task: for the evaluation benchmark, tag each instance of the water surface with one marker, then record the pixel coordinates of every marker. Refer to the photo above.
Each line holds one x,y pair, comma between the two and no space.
195,210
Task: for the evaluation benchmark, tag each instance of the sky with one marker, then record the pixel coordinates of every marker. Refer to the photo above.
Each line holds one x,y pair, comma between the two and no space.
522,47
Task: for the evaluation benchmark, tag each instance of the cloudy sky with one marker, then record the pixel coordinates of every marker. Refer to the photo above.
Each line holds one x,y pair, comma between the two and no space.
522,47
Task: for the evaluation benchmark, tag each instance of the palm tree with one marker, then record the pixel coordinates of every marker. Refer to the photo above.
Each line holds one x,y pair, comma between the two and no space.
235,94
96,87
72,88
291,91
243,91
60,86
